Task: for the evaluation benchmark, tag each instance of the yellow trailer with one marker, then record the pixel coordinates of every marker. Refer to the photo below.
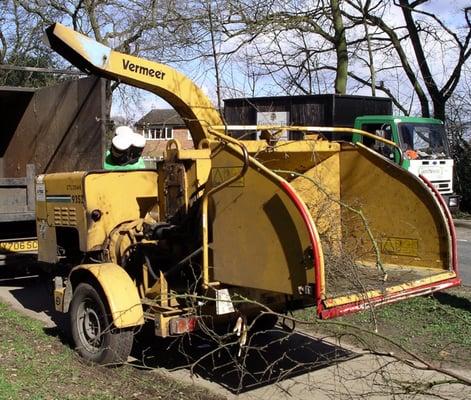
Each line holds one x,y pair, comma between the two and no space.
229,227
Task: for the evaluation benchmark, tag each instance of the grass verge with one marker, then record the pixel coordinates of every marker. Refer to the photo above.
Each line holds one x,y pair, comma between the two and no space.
437,327
34,365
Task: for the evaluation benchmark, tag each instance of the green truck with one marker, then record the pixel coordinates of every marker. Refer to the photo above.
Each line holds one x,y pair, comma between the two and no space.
424,145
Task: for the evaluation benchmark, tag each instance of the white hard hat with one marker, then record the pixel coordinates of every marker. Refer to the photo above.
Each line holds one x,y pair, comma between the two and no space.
120,130
138,140
123,141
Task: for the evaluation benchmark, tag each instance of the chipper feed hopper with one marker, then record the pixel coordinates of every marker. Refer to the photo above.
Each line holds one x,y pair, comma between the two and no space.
219,230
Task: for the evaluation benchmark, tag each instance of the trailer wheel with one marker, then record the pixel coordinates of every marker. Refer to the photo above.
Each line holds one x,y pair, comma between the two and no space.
94,336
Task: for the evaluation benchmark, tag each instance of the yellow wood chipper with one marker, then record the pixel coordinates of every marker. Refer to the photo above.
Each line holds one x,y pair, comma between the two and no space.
230,227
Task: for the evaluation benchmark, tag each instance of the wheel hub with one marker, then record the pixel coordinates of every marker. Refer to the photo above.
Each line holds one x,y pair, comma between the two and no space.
90,327
91,324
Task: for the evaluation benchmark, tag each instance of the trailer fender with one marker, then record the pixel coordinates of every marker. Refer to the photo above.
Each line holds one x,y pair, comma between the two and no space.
118,288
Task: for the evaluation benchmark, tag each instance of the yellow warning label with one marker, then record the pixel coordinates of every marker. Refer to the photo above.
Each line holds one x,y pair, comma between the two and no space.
400,246
222,174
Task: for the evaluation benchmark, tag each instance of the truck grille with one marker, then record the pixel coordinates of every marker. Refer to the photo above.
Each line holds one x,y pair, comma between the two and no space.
442,186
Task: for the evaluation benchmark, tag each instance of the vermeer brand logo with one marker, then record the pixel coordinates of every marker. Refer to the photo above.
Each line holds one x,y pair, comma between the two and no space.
128,65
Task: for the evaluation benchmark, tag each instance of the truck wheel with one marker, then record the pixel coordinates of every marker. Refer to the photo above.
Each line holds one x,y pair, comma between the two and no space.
94,336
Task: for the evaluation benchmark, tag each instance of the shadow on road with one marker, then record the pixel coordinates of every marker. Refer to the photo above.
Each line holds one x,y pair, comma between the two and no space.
34,294
269,356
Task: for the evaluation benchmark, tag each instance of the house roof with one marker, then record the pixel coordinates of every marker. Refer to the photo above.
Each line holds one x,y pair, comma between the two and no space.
161,117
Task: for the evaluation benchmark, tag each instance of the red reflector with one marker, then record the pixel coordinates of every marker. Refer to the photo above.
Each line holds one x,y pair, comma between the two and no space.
183,325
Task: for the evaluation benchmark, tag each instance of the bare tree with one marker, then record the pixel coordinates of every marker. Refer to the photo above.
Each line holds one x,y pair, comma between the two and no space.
438,95
20,45
287,37
145,28
458,121
421,28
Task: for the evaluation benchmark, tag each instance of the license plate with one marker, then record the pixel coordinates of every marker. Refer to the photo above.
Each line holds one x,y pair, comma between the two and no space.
18,246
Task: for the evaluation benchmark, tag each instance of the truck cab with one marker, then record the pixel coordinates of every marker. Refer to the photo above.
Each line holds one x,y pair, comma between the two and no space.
424,145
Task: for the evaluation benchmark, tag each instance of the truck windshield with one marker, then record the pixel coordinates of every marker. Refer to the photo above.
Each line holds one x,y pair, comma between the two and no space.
425,139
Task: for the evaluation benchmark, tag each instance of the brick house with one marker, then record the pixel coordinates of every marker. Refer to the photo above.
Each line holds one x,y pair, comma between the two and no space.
158,126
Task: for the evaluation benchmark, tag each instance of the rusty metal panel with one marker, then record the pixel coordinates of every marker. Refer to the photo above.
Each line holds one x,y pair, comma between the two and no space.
13,103
61,130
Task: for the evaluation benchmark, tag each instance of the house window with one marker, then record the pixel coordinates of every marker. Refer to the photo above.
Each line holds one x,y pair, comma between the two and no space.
158,133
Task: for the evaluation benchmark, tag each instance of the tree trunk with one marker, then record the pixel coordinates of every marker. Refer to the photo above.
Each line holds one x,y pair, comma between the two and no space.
340,49
418,49
439,110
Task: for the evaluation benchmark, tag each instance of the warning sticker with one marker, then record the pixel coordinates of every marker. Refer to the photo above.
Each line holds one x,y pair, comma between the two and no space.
222,174
40,188
400,246
223,302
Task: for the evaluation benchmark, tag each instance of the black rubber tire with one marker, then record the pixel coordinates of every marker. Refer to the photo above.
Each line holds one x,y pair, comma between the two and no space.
94,336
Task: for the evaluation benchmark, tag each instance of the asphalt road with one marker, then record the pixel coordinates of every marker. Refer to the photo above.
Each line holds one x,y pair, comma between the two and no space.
463,231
